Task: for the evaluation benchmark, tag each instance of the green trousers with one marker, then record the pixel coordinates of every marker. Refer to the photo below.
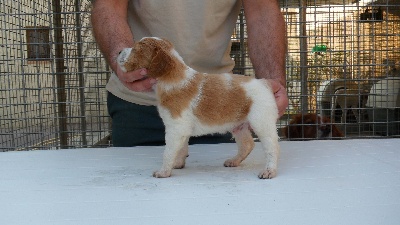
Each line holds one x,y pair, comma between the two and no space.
138,125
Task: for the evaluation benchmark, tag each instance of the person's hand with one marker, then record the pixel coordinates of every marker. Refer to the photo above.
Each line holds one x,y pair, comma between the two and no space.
281,97
136,80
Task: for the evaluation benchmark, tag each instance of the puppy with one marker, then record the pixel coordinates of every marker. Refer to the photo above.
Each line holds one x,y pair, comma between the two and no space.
311,126
191,103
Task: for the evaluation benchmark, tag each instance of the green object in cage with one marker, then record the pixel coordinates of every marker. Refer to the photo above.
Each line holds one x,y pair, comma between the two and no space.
319,48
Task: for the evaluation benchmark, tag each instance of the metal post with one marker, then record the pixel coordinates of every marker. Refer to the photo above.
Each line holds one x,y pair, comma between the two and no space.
60,74
80,72
303,56
242,43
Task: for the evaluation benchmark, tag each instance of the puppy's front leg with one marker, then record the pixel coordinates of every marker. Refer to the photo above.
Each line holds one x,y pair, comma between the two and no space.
180,160
174,143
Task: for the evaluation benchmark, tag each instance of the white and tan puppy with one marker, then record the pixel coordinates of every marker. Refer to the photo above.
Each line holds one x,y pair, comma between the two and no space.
191,103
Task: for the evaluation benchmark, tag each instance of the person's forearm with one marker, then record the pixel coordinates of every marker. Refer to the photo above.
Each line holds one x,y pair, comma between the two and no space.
111,29
266,39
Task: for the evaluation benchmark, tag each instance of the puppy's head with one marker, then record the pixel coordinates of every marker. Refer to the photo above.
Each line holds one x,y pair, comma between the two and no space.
151,53
311,126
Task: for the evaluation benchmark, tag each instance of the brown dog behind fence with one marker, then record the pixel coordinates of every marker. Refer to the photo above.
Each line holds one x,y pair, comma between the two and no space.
311,126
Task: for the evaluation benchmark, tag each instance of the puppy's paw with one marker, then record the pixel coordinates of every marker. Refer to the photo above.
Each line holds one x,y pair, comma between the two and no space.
123,57
232,162
162,174
267,174
179,165
180,161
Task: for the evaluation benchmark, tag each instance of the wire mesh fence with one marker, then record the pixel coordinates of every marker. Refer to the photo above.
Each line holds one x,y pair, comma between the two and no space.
342,62
52,77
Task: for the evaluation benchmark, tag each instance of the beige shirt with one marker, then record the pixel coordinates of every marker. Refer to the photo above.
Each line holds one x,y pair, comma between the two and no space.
199,29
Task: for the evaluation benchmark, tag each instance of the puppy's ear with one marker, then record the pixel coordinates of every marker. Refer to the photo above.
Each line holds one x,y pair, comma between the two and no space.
161,63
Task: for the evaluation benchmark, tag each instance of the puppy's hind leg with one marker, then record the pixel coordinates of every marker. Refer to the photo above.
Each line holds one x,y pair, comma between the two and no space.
245,143
174,143
267,133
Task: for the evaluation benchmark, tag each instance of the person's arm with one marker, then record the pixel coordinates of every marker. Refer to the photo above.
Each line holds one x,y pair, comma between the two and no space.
112,33
267,45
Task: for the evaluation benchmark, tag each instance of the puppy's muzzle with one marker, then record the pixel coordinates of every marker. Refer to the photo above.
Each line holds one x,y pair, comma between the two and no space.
123,57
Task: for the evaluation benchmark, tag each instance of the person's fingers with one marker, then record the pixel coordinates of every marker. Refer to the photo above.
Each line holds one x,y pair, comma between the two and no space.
132,76
137,80
143,85
282,100
281,97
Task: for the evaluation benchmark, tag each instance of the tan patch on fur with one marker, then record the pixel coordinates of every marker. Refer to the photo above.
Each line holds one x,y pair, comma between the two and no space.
177,100
167,69
222,102
139,58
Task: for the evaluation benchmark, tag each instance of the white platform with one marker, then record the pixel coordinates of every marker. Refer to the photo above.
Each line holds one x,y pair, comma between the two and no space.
319,182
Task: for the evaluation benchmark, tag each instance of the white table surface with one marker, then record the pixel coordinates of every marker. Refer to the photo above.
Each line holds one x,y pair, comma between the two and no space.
319,182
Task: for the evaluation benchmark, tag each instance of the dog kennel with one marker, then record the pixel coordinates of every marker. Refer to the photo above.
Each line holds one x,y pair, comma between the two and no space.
52,75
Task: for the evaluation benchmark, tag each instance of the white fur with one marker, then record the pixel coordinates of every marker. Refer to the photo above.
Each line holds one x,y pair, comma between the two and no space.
157,38
228,77
189,75
122,57
176,55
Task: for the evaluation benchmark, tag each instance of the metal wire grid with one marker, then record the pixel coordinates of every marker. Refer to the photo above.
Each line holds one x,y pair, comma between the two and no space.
61,102
57,102
337,60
